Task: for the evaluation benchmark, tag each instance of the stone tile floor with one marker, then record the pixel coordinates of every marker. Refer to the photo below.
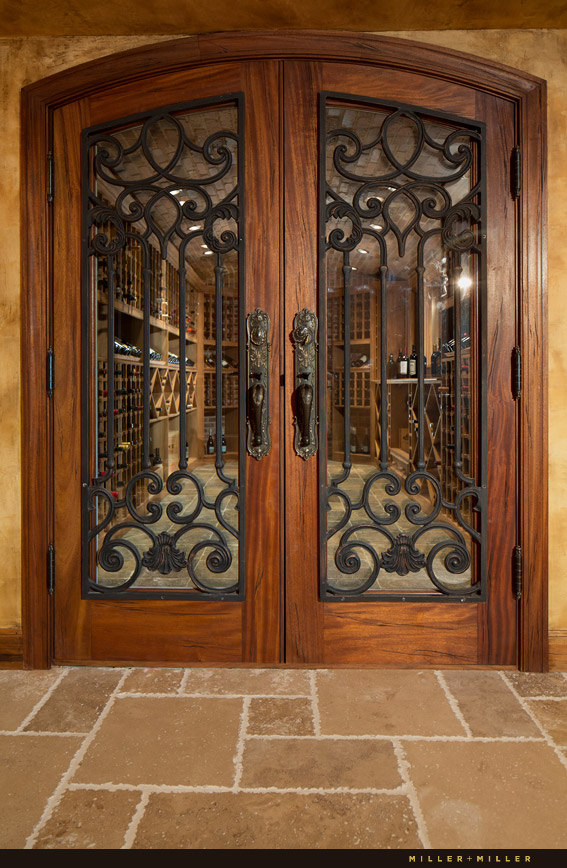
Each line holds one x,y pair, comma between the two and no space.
282,759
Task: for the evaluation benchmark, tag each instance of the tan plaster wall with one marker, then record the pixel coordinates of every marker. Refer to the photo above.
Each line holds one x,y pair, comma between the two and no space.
541,52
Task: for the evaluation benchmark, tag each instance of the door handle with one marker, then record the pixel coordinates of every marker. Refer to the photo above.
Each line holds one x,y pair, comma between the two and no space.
258,441
304,337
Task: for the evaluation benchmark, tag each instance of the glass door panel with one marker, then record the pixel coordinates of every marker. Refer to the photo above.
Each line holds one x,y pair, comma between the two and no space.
403,298
164,501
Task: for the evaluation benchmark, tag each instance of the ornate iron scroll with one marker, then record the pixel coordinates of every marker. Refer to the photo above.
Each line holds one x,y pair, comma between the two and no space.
258,393
304,337
150,190
402,206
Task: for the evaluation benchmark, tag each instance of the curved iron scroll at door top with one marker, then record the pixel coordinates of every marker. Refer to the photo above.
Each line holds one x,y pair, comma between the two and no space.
164,193
402,211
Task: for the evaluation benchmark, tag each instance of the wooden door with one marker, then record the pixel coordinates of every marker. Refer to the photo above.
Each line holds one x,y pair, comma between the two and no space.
283,258
406,237
194,156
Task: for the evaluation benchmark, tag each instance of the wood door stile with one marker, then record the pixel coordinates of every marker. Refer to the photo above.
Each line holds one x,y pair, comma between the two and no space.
497,617
263,614
303,610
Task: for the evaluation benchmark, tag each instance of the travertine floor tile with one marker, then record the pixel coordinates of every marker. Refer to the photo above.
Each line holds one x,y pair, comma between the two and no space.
490,795
253,821
89,820
553,717
280,717
248,681
538,683
146,740
152,681
19,692
77,702
328,763
488,705
30,769
384,702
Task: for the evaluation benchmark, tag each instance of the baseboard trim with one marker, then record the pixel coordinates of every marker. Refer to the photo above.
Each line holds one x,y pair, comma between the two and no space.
558,650
11,649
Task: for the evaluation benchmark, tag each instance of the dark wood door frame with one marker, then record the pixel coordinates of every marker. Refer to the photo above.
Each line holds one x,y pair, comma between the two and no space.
527,93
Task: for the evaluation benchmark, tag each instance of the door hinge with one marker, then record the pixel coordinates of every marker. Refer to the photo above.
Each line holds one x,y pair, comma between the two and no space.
517,373
50,569
50,177
518,572
516,172
50,372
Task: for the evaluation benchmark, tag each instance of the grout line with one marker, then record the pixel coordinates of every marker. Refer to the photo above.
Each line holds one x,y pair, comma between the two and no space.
379,737
59,790
453,702
184,680
545,698
562,759
315,704
42,732
176,695
130,834
240,744
404,769
150,789
42,701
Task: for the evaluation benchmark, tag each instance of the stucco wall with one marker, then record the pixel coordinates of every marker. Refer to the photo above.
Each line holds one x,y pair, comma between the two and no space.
541,52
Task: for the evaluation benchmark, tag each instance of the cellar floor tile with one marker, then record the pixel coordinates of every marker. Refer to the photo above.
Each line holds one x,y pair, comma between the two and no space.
168,740
276,821
483,795
384,702
20,692
89,820
499,713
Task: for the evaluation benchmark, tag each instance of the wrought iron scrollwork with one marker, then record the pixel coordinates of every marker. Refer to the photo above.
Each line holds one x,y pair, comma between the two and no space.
136,197
403,200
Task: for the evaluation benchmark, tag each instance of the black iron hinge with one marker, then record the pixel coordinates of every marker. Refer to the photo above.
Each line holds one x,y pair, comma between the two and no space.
517,373
516,172
50,569
518,578
50,177
49,376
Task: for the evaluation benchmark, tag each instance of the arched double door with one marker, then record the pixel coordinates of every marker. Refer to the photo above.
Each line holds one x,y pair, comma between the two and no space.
283,330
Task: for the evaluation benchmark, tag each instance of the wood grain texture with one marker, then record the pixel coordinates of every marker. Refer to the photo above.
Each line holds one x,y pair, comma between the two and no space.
303,609
36,409
71,614
532,133
410,634
183,632
498,619
367,48
263,617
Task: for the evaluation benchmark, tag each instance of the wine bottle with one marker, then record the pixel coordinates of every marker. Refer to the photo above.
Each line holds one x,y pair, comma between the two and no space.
412,366
210,444
223,443
391,367
402,364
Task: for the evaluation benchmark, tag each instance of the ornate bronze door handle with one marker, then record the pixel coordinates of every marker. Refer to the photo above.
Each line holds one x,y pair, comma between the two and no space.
304,337
258,440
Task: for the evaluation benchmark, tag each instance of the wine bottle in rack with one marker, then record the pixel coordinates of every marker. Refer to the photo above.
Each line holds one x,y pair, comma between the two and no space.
402,364
412,363
392,370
